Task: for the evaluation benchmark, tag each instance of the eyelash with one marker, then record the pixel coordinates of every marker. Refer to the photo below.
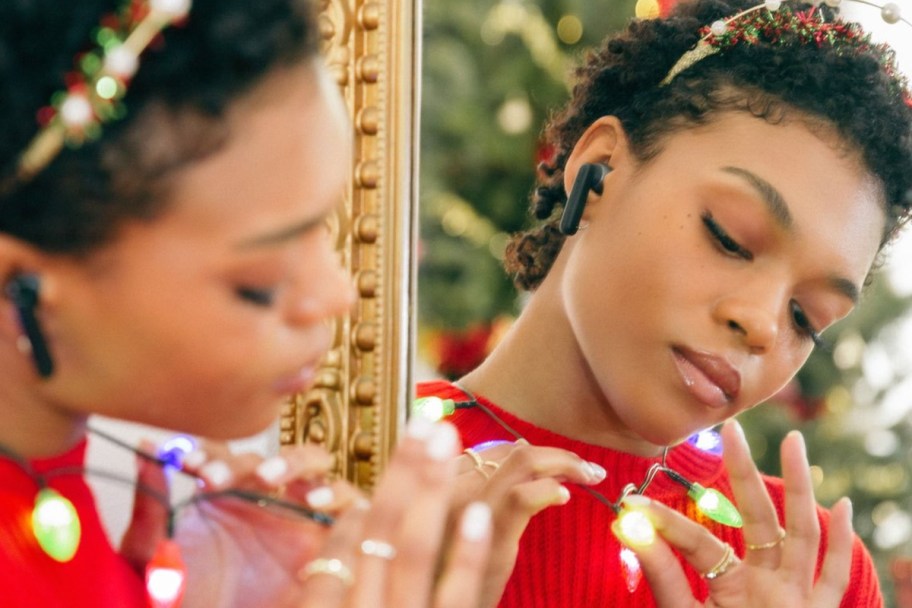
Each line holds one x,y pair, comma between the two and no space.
732,247
258,297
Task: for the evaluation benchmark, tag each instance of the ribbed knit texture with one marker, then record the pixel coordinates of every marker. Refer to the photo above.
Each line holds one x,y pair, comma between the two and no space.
568,556
96,577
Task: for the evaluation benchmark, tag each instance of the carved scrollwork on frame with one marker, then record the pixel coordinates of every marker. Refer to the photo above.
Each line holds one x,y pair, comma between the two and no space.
357,404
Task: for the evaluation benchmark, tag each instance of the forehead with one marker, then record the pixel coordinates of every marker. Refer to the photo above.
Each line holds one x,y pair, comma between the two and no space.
830,192
286,159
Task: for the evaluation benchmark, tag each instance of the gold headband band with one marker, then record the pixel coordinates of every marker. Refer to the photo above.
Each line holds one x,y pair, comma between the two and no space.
95,89
771,23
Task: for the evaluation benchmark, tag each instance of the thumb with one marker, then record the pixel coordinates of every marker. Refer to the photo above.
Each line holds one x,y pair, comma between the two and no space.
149,523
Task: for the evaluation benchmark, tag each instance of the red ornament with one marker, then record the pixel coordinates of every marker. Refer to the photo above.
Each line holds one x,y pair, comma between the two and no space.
166,576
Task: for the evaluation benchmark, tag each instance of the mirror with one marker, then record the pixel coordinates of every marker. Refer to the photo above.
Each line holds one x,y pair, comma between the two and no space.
357,405
491,71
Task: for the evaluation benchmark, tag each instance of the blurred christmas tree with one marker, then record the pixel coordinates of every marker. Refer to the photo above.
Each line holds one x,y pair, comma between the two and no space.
491,74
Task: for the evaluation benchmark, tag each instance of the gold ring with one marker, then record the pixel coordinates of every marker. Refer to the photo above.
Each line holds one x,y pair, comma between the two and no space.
480,463
331,566
769,545
727,561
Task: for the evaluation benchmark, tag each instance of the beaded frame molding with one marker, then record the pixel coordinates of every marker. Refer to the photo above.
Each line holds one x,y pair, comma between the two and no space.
775,24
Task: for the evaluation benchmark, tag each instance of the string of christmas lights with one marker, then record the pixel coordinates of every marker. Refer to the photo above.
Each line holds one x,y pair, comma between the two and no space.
55,523
632,524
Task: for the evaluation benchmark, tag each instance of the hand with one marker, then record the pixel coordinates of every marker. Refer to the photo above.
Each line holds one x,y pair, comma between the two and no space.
238,553
518,481
771,571
393,553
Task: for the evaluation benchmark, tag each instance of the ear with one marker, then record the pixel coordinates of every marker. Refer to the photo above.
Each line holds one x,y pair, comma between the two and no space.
605,141
17,257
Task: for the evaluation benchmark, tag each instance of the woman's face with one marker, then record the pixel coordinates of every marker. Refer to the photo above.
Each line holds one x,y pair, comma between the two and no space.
206,319
705,273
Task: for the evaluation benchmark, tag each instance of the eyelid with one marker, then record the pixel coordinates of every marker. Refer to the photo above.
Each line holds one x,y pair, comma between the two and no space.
727,243
807,328
257,296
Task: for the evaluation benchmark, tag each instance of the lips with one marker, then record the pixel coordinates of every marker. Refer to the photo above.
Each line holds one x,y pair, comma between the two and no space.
296,382
711,379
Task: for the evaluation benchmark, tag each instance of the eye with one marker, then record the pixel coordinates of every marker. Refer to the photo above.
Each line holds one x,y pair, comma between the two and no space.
263,297
804,326
727,243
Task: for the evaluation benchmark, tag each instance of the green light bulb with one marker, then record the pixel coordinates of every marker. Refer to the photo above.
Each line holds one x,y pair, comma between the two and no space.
715,506
433,408
56,525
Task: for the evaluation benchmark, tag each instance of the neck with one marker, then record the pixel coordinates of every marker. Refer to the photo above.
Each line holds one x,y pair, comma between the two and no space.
32,425
538,373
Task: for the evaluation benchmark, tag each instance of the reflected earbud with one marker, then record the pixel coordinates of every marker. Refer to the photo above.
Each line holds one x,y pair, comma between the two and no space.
23,291
590,177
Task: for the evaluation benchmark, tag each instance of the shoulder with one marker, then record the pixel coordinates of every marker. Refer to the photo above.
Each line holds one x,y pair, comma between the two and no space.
864,587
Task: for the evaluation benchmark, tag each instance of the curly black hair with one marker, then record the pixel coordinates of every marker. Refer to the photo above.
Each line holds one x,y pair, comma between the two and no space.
850,91
175,108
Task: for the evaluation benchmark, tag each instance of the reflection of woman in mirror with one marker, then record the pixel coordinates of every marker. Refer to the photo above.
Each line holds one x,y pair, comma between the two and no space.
730,203
164,259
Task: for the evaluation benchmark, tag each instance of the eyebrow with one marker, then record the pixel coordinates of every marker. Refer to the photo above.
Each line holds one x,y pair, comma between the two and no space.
772,198
779,209
283,235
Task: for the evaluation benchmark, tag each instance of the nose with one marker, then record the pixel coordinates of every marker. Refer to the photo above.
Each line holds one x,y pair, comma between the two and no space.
753,321
323,289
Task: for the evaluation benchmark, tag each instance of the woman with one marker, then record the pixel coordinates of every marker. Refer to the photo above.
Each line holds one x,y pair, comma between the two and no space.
722,182
164,260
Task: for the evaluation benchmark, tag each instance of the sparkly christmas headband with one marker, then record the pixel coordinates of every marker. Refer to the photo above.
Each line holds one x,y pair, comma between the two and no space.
771,23
95,88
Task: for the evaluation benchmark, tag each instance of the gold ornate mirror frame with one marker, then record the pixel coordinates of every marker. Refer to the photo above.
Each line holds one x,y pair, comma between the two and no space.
358,402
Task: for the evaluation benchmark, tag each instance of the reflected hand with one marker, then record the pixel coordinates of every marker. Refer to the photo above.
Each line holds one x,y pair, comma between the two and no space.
396,552
238,553
778,566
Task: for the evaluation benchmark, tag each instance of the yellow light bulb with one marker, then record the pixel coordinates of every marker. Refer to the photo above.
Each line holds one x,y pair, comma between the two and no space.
634,528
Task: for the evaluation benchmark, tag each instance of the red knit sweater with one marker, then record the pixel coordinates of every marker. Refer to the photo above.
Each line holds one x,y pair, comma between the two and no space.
569,558
96,577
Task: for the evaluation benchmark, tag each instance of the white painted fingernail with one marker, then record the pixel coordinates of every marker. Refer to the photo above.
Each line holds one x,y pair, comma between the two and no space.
271,469
195,459
441,445
476,522
636,500
320,497
595,471
420,427
564,495
216,473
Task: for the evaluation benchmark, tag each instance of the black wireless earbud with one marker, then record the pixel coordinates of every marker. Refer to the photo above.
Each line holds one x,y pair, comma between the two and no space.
23,291
590,177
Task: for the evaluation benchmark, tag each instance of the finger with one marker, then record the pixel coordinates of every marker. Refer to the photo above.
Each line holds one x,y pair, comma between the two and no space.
834,576
697,545
461,580
420,535
800,548
761,523
321,589
427,451
660,566
150,511
295,463
526,462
